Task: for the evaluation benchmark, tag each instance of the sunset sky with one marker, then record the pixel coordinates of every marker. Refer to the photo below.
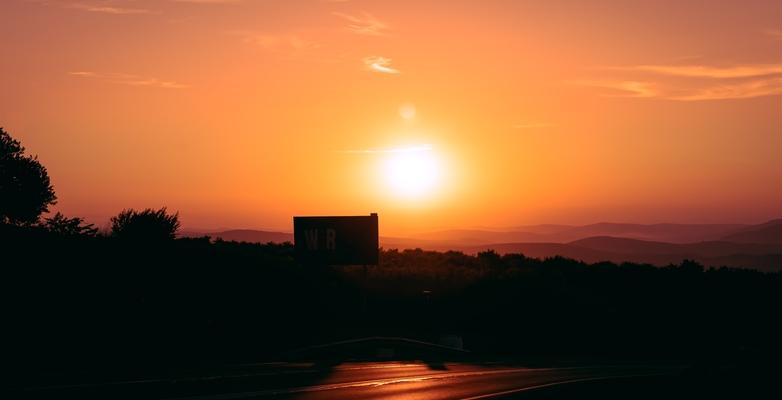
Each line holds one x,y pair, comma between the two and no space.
434,114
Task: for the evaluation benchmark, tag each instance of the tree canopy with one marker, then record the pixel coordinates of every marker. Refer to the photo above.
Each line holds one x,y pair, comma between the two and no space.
63,225
25,189
146,225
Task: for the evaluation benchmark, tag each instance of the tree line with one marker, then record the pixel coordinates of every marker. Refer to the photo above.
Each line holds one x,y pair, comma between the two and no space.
26,193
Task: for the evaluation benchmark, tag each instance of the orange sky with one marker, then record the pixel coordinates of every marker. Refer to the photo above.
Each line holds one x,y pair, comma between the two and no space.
244,113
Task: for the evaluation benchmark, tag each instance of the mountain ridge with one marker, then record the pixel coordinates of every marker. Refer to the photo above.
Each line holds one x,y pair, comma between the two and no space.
768,232
752,246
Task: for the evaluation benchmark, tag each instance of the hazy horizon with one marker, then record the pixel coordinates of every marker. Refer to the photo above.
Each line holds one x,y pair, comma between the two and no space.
283,228
519,227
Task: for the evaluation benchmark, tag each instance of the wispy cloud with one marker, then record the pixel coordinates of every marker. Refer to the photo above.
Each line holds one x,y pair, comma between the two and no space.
380,64
112,7
410,149
109,9
86,74
704,71
129,79
623,88
694,82
775,34
366,24
740,90
694,92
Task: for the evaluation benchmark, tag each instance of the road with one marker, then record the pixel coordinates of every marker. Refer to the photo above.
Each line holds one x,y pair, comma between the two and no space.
353,380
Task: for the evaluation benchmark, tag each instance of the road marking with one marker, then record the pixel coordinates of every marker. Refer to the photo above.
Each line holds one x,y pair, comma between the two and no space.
524,389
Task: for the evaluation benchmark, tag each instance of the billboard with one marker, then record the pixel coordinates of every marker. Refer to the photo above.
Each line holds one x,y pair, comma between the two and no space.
343,240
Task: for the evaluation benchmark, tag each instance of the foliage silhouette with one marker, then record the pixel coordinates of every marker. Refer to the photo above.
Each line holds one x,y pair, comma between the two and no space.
25,189
146,225
62,225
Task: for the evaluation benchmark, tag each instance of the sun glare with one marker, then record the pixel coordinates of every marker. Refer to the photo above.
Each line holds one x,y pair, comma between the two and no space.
412,172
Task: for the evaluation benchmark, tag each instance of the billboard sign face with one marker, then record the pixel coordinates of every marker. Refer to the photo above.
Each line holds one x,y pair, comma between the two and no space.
349,240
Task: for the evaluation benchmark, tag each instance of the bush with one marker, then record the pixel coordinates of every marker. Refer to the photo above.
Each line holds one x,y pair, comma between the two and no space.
62,225
146,225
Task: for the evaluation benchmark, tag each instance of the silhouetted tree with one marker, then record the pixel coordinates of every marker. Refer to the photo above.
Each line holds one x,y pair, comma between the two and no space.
691,266
63,225
490,258
147,225
25,190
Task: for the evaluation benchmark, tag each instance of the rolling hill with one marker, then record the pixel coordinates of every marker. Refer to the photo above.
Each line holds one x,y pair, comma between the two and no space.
671,233
770,232
596,249
751,246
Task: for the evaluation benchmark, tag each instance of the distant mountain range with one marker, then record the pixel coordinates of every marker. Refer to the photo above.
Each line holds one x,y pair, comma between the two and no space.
245,235
770,232
673,233
751,246
604,248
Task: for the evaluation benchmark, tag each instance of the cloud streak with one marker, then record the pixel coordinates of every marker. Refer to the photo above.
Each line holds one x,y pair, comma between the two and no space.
702,71
741,90
695,82
380,64
129,79
110,9
623,88
775,34
366,24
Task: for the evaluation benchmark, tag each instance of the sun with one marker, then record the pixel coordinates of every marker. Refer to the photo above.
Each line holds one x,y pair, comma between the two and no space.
413,172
